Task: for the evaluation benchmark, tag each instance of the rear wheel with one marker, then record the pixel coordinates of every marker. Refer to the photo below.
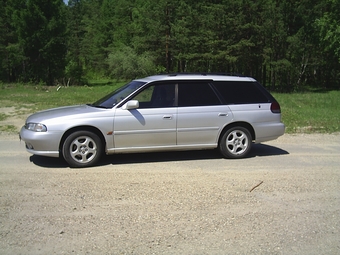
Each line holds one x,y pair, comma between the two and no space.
82,149
235,142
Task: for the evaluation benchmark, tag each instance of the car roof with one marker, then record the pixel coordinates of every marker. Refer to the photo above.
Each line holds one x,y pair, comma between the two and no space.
202,76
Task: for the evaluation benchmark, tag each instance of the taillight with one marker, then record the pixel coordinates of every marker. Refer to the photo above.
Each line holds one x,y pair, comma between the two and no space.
275,107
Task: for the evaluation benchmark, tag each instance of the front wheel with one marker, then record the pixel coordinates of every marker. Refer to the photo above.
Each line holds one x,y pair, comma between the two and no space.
82,149
235,142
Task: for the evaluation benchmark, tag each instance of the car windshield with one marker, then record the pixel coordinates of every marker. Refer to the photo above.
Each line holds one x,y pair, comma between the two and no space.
118,95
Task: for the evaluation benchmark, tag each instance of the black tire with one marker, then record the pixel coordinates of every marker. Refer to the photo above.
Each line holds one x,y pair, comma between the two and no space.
235,143
82,149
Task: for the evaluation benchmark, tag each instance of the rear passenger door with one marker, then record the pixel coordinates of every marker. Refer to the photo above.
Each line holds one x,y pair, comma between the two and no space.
201,115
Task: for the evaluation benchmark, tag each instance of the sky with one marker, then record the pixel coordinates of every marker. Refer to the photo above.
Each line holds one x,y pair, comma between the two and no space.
65,1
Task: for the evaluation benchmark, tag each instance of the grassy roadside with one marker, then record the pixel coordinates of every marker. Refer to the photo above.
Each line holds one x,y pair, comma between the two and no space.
42,97
310,112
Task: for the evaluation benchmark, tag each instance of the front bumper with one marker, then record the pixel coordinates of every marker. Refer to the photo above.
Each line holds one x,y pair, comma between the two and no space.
41,143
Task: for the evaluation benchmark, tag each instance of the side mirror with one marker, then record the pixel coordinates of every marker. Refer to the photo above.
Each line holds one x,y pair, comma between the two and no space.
130,105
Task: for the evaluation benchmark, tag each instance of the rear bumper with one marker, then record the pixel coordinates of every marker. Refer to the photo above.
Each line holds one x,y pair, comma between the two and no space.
268,131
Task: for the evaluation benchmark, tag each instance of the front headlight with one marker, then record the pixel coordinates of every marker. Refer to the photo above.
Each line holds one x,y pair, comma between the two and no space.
37,127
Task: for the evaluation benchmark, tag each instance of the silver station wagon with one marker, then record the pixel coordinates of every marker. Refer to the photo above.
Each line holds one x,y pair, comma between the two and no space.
159,113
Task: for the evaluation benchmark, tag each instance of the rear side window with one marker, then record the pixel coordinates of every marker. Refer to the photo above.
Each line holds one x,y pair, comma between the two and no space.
241,92
196,94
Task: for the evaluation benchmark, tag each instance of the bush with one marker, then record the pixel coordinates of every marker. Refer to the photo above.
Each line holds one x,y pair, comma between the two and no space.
125,63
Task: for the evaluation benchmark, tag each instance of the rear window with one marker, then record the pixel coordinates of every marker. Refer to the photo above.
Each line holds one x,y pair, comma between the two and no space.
240,92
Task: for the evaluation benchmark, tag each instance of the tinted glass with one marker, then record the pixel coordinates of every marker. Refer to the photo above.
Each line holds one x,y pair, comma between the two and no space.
241,92
157,96
196,94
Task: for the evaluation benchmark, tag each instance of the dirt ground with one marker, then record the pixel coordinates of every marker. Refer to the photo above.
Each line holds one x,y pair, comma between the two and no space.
283,199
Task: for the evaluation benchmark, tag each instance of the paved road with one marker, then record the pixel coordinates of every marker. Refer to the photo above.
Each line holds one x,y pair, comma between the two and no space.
175,203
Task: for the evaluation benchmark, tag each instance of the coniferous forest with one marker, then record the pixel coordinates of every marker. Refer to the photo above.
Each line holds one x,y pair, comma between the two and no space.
285,44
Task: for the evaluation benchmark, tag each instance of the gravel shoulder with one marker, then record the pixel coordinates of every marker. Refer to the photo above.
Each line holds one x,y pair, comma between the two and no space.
283,199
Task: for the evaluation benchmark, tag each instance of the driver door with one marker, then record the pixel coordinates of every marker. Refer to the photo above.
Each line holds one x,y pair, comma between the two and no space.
152,125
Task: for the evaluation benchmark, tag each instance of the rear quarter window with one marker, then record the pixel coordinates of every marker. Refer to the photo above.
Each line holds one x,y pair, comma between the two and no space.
241,92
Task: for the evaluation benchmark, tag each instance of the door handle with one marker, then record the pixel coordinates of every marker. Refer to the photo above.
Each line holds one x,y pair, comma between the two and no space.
221,114
167,117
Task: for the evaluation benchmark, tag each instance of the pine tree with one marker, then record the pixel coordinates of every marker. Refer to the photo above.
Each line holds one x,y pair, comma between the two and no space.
11,55
75,51
41,31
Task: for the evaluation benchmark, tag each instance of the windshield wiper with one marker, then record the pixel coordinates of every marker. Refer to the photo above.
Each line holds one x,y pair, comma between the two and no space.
98,106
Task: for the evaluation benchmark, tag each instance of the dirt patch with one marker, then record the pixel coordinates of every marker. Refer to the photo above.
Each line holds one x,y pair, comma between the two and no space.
13,118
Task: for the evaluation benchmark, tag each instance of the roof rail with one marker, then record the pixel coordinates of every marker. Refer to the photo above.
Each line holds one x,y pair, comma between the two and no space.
205,74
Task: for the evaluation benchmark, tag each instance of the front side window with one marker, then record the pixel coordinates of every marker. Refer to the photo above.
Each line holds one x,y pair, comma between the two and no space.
196,94
157,96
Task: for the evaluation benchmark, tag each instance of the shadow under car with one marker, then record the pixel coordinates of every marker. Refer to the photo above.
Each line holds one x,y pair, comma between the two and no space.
258,150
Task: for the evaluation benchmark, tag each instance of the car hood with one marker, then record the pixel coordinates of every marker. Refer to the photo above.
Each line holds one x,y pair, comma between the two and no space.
67,112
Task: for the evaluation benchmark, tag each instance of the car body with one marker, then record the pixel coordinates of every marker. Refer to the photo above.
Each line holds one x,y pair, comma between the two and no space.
159,113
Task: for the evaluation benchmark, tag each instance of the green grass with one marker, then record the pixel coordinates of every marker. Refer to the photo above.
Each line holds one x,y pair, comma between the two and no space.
3,116
310,112
8,128
41,97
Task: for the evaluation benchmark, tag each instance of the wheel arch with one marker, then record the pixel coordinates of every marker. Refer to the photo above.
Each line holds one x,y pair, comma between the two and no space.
82,128
238,124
